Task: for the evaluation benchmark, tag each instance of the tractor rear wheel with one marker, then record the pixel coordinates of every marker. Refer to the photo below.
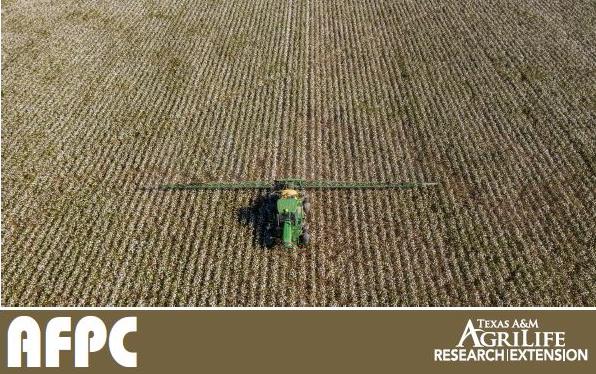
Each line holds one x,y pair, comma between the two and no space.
305,238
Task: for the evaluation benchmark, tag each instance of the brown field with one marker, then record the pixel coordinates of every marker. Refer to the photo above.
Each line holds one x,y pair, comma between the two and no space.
494,100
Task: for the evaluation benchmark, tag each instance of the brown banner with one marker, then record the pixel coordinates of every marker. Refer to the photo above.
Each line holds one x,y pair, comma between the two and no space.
304,341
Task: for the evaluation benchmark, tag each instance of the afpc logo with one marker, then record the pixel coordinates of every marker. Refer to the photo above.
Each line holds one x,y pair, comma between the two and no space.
24,338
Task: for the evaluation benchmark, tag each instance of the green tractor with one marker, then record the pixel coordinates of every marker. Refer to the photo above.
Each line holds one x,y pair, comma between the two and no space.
290,221
288,224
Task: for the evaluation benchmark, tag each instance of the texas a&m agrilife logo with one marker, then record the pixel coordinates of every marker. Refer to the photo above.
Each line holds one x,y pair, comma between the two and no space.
25,339
510,340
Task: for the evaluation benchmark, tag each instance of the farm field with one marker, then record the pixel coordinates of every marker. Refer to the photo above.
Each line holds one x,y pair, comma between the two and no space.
495,101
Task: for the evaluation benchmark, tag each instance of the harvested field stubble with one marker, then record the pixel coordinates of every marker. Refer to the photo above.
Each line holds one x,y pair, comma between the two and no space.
494,100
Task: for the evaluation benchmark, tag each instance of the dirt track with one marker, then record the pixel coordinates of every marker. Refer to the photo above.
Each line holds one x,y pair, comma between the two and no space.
495,101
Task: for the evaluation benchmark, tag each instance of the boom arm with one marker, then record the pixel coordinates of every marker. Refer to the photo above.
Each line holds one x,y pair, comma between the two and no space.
292,183
363,185
217,186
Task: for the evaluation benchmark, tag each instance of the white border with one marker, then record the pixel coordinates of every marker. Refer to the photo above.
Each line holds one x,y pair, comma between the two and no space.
351,308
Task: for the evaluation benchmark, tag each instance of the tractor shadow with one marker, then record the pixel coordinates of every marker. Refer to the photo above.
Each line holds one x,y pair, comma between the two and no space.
259,216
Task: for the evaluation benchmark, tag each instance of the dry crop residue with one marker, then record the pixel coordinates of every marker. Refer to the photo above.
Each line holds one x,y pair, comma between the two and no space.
496,102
